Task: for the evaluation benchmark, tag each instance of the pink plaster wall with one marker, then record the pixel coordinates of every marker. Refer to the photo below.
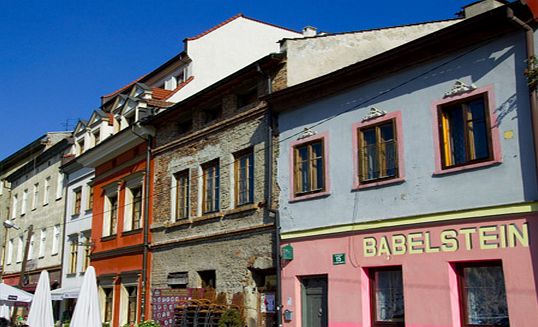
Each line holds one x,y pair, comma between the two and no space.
430,283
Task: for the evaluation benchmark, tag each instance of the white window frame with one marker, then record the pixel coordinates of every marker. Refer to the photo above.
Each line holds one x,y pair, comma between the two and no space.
31,247
42,243
131,184
55,239
20,246
14,203
59,185
24,203
46,191
9,252
35,196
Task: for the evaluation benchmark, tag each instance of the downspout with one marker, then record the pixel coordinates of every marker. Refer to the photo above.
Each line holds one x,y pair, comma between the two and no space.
269,155
146,230
529,38
145,250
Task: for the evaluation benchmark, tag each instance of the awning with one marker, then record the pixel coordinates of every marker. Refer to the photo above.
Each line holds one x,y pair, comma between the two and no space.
65,293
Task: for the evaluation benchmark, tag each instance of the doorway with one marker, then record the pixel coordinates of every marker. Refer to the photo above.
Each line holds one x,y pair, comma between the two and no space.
314,302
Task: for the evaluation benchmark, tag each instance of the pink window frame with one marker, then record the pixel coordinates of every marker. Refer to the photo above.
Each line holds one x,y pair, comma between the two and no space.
397,117
324,137
494,130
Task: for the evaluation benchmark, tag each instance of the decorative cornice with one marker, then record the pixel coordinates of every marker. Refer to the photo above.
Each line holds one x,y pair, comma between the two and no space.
374,113
307,132
459,88
134,249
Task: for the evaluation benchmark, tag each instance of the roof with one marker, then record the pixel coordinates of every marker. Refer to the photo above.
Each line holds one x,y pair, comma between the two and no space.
240,15
158,103
469,32
160,94
321,35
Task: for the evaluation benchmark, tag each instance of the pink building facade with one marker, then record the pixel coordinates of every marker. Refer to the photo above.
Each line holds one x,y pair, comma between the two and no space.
430,256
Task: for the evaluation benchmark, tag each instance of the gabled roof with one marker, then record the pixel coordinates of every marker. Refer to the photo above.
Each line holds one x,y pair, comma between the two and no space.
81,125
231,19
97,115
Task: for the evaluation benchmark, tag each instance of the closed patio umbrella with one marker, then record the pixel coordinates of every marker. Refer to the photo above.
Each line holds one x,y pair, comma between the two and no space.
87,312
41,310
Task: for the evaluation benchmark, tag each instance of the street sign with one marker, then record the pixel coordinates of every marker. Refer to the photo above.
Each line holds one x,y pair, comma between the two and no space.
339,259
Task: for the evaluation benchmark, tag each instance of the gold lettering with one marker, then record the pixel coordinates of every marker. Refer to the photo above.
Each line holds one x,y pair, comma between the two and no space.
468,233
369,246
413,243
515,233
484,237
502,236
429,248
449,240
383,246
398,244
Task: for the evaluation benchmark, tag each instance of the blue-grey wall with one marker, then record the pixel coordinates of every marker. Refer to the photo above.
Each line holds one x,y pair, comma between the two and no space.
499,63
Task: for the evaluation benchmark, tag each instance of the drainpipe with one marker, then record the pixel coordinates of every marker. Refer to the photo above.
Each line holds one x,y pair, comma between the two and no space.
529,36
145,252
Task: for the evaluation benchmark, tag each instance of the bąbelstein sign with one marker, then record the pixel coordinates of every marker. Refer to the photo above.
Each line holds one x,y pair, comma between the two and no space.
448,240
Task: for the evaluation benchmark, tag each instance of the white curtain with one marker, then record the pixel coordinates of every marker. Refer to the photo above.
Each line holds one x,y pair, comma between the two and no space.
124,305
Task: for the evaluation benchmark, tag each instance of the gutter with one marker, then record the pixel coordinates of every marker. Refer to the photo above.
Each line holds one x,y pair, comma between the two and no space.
529,42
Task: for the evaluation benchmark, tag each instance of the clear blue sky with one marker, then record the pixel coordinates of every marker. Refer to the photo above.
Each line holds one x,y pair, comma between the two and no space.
58,57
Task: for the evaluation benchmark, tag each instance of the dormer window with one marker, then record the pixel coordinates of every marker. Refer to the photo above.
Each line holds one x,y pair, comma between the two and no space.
97,137
80,144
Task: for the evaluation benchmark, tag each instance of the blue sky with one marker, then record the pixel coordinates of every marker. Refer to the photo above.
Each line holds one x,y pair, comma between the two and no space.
58,57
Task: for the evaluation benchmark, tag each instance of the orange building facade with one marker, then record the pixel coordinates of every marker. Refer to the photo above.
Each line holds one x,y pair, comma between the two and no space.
118,236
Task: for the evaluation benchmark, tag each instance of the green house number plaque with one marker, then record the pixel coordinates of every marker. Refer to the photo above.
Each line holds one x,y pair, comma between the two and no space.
339,259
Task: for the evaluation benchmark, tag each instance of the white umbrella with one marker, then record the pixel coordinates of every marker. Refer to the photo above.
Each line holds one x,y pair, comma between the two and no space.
87,312
41,310
13,294
65,293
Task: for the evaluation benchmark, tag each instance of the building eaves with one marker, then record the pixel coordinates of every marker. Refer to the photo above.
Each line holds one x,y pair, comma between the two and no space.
471,31
387,28
240,15
42,158
33,147
203,94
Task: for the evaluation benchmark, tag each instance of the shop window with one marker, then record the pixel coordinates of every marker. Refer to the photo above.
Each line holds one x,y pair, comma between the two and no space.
211,181
466,134
482,294
182,194
208,278
387,297
378,151
309,157
244,177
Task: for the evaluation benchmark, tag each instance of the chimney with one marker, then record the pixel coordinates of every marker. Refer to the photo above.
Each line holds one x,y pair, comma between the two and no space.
310,31
480,7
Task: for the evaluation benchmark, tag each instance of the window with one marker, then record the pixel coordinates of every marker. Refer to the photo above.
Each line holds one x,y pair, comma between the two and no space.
132,304
309,160
210,200
109,300
247,97
31,247
35,196
90,197
464,134
112,213
182,194
9,252
207,278
378,144
136,216
77,199
244,178
387,297
14,203
46,191
20,247
55,239
185,125
212,114
42,240
482,294
80,146
87,252
73,252
24,201
96,137
60,185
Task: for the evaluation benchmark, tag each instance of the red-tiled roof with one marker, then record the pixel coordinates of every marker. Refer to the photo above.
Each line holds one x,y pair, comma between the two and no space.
232,19
180,86
160,94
